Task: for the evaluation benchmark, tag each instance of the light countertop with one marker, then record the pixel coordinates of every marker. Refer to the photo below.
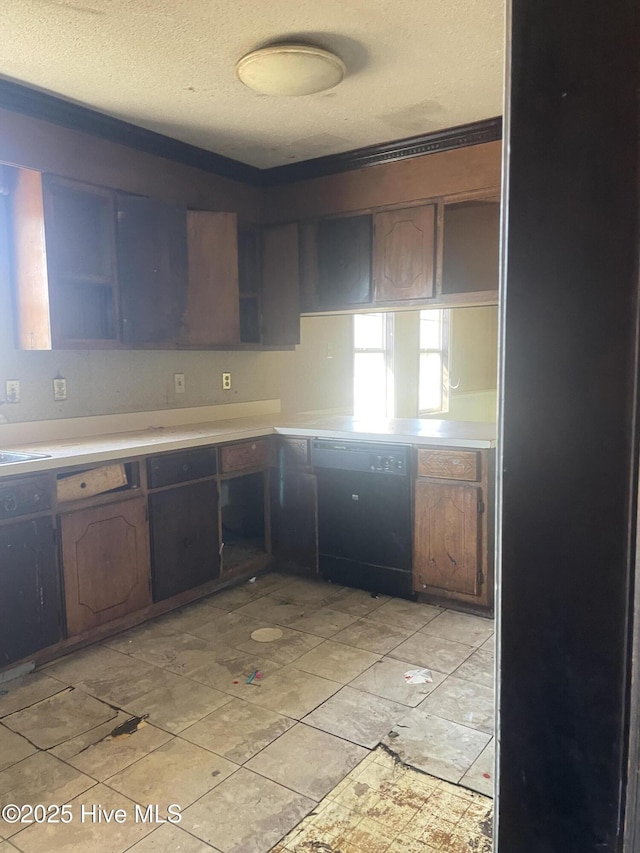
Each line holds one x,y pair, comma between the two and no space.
90,450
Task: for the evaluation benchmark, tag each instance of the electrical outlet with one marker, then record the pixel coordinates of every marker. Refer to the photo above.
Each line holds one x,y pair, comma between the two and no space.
178,383
226,381
12,391
59,389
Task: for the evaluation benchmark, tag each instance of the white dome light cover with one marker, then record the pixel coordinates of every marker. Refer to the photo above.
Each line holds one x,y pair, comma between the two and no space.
290,69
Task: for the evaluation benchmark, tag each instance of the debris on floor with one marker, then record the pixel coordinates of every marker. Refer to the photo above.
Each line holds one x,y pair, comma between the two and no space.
418,676
128,727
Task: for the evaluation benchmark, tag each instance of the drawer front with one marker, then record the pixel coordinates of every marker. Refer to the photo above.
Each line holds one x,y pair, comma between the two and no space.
170,468
293,452
448,464
22,497
244,456
95,481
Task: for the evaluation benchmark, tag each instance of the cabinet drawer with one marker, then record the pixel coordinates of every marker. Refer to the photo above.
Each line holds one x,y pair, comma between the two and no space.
22,497
95,481
448,464
170,468
293,452
247,455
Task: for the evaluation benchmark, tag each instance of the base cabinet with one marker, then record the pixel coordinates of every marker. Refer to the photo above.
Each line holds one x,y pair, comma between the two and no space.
448,544
294,517
453,527
30,615
105,556
184,538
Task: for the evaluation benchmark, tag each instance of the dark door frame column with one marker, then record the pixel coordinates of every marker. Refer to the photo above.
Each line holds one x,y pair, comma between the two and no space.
569,434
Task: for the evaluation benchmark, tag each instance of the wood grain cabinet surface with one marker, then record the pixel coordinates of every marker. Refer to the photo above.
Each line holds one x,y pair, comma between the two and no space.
447,543
454,526
105,556
213,308
244,456
403,253
448,464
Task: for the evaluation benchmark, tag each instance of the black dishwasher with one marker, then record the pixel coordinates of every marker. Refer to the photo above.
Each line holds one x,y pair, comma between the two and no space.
364,514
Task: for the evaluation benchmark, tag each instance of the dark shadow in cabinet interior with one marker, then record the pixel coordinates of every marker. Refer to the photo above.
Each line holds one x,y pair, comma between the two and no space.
243,519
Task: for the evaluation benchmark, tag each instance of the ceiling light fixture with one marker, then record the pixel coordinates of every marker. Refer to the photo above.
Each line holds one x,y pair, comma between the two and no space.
290,69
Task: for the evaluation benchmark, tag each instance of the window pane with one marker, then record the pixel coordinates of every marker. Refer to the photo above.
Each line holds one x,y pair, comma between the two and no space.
368,331
431,329
430,393
369,385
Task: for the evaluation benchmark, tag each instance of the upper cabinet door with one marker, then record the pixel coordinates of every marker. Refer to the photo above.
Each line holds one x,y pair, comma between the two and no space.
80,245
404,254
471,247
213,311
152,268
344,262
280,286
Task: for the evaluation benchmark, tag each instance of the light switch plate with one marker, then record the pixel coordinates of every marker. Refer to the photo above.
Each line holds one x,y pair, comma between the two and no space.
179,385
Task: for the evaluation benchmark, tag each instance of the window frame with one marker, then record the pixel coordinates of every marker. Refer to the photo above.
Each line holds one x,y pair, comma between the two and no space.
443,351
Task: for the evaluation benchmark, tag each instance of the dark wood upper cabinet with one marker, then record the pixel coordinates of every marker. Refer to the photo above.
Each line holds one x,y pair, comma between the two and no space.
81,263
269,285
404,245
280,286
152,268
344,262
213,312
471,247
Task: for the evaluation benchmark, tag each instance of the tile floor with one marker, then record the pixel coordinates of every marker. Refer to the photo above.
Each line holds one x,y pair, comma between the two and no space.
248,761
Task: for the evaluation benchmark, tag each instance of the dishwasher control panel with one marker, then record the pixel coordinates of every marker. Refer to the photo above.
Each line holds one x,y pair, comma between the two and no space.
360,456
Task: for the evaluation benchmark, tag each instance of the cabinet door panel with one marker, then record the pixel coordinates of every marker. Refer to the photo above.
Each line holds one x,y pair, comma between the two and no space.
152,269
105,555
447,542
404,254
344,262
471,247
280,286
184,538
213,311
29,590
294,527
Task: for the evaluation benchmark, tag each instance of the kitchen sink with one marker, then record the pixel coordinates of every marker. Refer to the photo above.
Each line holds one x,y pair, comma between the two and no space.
8,456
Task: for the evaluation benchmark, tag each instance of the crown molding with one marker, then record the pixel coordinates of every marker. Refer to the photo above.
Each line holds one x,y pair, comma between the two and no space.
42,105
488,130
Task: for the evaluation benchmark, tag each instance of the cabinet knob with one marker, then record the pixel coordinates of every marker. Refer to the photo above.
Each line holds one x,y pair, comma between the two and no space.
185,467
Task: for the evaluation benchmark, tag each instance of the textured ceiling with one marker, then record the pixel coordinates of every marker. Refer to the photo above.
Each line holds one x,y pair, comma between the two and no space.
413,66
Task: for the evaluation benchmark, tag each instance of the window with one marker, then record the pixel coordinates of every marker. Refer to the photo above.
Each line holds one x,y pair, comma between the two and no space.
373,365
433,391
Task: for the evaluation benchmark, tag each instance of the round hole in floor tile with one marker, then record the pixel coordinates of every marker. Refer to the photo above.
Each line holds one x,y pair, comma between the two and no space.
266,635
